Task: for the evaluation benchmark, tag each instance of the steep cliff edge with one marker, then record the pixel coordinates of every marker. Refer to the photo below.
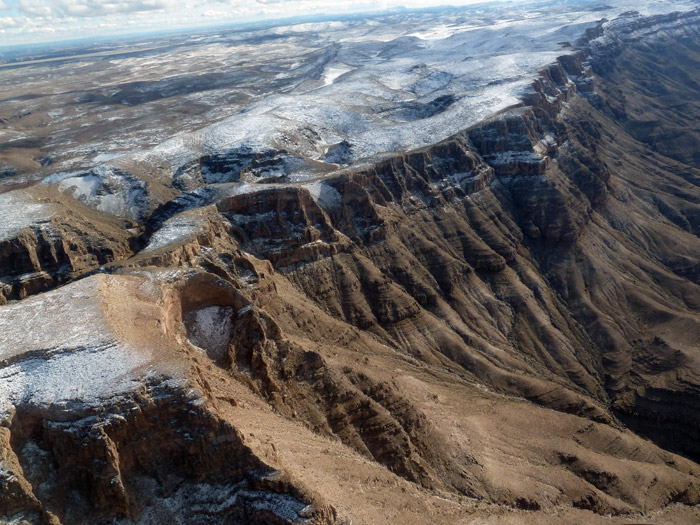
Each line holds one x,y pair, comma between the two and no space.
489,328
106,415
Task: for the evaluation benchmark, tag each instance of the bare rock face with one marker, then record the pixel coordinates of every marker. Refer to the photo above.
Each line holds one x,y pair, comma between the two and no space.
502,326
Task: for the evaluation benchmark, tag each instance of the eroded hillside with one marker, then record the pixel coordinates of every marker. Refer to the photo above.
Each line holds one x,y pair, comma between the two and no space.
501,327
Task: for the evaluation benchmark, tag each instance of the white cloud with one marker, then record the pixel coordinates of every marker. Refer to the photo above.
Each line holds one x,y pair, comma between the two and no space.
34,7
30,21
91,8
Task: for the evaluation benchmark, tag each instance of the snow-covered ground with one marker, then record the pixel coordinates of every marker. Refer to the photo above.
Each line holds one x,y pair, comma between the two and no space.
210,329
174,230
370,81
213,499
19,210
59,347
326,196
400,82
310,98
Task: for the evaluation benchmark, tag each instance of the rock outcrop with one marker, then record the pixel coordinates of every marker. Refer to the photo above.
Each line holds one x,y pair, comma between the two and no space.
504,324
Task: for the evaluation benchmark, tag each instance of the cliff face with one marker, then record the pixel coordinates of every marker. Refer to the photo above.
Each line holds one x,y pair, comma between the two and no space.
68,241
511,316
115,419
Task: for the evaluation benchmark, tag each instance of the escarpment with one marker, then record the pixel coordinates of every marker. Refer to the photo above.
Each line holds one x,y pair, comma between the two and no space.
153,457
491,249
136,435
71,241
503,324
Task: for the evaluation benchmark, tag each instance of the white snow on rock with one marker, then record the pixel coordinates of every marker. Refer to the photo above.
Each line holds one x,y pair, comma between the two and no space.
625,28
325,195
243,188
64,318
175,151
174,230
85,375
210,329
371,83
104,157
332,73
106,189
238,218
354,72
19,210
216,500
381,81
513,157
58,348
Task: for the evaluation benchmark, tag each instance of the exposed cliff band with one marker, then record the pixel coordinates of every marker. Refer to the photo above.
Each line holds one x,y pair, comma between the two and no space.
504,316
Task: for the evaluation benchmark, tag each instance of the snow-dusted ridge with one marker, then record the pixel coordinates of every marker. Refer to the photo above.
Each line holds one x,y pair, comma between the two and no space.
60,347
377,92
106,189
174,230
19,211
320,96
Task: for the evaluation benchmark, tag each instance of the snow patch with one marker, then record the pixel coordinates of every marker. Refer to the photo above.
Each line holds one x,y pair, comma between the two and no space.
210,329
238,218
332,73
106,189
218,500
79,374
20,210
104,157
57,347
174,230
441,32
513,157
325,195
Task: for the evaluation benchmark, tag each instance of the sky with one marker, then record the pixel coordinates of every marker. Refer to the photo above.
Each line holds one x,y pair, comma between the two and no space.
35,21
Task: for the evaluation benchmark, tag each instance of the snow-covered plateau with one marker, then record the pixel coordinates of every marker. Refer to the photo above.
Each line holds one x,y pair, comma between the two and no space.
295,102
65,347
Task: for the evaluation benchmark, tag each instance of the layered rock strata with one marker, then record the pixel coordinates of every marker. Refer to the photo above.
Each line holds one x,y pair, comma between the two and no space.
503,325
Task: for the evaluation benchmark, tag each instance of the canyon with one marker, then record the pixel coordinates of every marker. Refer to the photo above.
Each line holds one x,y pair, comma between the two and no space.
496,323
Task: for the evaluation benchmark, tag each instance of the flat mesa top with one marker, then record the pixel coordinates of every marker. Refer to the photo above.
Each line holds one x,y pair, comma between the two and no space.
73,343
